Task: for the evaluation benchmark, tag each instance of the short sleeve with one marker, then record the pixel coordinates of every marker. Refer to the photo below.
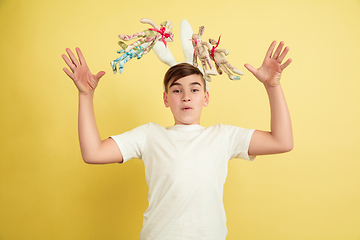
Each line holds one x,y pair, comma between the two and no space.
133,142
239,142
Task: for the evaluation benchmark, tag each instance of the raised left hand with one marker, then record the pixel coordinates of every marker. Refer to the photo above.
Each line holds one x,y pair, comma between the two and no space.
270,71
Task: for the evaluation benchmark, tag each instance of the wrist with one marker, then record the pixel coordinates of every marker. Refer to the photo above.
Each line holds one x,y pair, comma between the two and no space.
86,94
272,88
269,86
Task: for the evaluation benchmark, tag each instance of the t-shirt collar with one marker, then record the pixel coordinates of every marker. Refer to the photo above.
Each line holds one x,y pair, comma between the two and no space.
180,127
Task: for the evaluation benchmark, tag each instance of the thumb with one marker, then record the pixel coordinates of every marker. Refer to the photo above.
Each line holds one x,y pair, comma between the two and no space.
99,75
251,69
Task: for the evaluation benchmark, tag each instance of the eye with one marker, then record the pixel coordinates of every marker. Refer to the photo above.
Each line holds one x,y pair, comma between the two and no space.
176,91
194,90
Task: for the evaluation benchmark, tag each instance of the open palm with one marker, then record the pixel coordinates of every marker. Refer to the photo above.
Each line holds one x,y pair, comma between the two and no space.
80,73
270,71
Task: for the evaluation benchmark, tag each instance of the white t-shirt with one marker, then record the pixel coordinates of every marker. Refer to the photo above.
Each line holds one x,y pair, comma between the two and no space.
185,169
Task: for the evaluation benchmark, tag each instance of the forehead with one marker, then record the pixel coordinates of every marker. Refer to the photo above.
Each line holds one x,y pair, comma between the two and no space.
188,80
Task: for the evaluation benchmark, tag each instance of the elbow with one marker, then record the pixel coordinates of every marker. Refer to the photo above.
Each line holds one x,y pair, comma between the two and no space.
89,159
287,147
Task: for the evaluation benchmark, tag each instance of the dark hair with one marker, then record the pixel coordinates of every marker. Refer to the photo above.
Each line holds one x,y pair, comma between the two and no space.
179,71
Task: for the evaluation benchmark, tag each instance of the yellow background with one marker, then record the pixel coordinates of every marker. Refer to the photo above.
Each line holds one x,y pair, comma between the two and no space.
47,192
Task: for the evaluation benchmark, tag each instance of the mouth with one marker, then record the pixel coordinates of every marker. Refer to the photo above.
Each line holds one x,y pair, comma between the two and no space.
186,108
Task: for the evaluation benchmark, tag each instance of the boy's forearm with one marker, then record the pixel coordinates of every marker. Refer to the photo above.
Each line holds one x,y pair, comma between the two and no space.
281,128
89,136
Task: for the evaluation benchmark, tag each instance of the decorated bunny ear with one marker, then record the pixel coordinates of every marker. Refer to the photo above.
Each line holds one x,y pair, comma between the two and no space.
186,33
164,54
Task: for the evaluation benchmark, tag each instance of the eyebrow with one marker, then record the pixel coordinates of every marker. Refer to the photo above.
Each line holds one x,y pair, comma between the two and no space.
178,84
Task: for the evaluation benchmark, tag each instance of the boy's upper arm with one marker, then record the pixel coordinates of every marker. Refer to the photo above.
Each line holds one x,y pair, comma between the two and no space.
109,152
263,143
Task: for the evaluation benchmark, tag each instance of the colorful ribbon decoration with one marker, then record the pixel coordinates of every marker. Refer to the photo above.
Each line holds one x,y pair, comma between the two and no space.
162,33
212,54
196,41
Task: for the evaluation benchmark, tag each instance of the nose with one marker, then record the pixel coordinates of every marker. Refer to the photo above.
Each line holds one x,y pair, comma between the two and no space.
186,97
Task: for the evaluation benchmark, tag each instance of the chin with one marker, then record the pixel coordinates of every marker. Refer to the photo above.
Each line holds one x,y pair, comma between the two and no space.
188,122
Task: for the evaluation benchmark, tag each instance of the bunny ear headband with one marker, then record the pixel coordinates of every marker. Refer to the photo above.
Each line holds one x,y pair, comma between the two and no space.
156,38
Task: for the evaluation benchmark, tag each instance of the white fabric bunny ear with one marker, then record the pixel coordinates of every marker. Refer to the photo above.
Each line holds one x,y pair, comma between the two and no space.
186,33
164,54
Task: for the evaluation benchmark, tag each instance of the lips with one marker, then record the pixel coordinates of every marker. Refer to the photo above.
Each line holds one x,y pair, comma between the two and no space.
186,108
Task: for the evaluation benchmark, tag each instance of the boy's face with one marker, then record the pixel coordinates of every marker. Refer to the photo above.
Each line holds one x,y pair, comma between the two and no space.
186,98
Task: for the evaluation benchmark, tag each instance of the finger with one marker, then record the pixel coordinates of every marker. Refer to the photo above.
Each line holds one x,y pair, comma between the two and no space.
270,50
72,57
251,69
99,75
81,56
68,62
283,54
278,50
287,63
70,74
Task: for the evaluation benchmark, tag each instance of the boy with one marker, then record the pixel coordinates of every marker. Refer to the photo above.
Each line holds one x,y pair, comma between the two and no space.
186,164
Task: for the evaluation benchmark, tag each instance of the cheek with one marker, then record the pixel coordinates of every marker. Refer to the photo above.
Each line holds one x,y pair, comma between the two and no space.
200,100
173,99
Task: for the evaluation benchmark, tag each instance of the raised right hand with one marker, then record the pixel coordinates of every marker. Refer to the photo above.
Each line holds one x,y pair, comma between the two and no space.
80,73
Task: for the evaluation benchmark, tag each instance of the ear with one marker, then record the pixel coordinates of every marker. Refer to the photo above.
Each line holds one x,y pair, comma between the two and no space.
207,99
165,99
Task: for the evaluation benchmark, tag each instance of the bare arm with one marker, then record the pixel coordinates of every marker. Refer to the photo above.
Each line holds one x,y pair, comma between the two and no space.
93,150
280,138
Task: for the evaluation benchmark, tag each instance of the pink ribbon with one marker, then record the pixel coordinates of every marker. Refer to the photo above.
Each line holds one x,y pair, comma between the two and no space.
212,54
196,42
162,33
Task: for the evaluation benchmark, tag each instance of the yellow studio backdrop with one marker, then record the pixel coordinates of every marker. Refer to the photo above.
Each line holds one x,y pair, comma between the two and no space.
47,192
